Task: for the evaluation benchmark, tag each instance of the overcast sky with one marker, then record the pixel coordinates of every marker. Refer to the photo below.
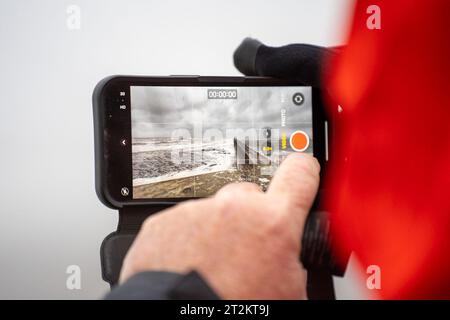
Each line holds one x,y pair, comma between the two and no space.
157,111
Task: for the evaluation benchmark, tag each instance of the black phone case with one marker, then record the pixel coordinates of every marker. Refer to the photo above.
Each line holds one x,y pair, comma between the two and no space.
315,254
115,246
100,174
99,112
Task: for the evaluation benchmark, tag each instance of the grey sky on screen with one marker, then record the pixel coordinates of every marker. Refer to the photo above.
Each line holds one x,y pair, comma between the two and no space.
157,111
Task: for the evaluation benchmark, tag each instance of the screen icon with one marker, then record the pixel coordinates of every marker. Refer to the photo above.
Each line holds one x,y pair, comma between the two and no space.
299,141
298,99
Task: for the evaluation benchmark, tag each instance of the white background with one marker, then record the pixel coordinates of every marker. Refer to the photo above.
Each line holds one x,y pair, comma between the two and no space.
50,215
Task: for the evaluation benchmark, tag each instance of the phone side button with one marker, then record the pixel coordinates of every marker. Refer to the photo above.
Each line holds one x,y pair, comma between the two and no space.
185,75
225,79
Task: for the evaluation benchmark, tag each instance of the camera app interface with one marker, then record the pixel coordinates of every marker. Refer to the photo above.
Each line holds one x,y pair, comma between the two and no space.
188,142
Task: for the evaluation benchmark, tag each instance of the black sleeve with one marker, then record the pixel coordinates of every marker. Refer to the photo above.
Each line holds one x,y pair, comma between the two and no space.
155,285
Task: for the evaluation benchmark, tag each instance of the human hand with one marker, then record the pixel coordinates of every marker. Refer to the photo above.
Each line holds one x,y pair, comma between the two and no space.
244,242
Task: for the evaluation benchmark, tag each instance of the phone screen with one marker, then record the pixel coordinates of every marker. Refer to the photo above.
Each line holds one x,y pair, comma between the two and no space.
188,142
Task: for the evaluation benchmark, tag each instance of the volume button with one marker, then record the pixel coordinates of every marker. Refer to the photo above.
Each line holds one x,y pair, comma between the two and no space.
185,75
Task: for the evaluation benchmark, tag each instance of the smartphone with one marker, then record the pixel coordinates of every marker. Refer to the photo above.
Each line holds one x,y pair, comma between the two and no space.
162,140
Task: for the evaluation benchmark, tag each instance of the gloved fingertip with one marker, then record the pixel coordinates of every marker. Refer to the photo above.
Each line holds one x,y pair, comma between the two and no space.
244,56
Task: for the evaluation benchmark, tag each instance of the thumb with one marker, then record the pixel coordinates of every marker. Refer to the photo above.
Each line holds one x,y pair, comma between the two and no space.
296,181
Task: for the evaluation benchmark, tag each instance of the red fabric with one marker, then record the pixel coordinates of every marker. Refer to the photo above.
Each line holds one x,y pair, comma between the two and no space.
391,199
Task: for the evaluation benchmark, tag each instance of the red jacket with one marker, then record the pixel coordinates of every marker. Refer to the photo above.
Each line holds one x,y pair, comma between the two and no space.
391,198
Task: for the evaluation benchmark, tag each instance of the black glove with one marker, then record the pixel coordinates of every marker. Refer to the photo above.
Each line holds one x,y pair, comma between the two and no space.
302,62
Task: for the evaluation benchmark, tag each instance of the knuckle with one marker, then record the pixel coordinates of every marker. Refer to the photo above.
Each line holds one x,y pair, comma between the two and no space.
234,194
233,198
236,189
248,186
187,205
279,225
227,202
155,219
305,163
303,194
308,167
147,224
275,223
